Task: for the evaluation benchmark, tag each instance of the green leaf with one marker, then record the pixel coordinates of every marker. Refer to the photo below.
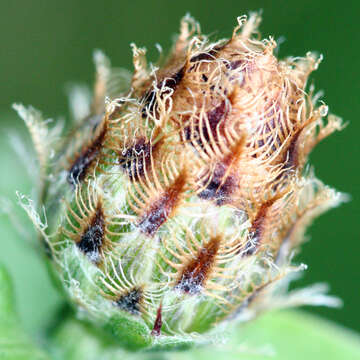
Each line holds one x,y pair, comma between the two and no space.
285,335
299,335
14,343
282,335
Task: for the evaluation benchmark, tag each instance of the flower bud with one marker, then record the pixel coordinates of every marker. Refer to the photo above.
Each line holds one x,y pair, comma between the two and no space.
176,203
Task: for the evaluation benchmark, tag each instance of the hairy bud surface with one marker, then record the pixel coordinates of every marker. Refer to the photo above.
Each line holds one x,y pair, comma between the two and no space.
176,201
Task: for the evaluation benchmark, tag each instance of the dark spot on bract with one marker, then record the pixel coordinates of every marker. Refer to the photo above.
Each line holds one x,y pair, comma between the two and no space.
137,158
217,188
208,132
174,80
162,208
214,117
130,301
204,56
209,55
150,97
251,246
204,77
197,270
149,103
93,237
234,64
85,159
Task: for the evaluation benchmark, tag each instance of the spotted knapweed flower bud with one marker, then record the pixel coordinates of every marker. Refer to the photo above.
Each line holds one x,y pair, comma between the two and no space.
177,199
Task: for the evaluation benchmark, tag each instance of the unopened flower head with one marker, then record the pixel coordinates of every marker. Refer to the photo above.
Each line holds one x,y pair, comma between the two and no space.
177,199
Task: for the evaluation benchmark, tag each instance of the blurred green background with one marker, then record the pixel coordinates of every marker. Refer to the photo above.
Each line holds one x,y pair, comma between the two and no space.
45,45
